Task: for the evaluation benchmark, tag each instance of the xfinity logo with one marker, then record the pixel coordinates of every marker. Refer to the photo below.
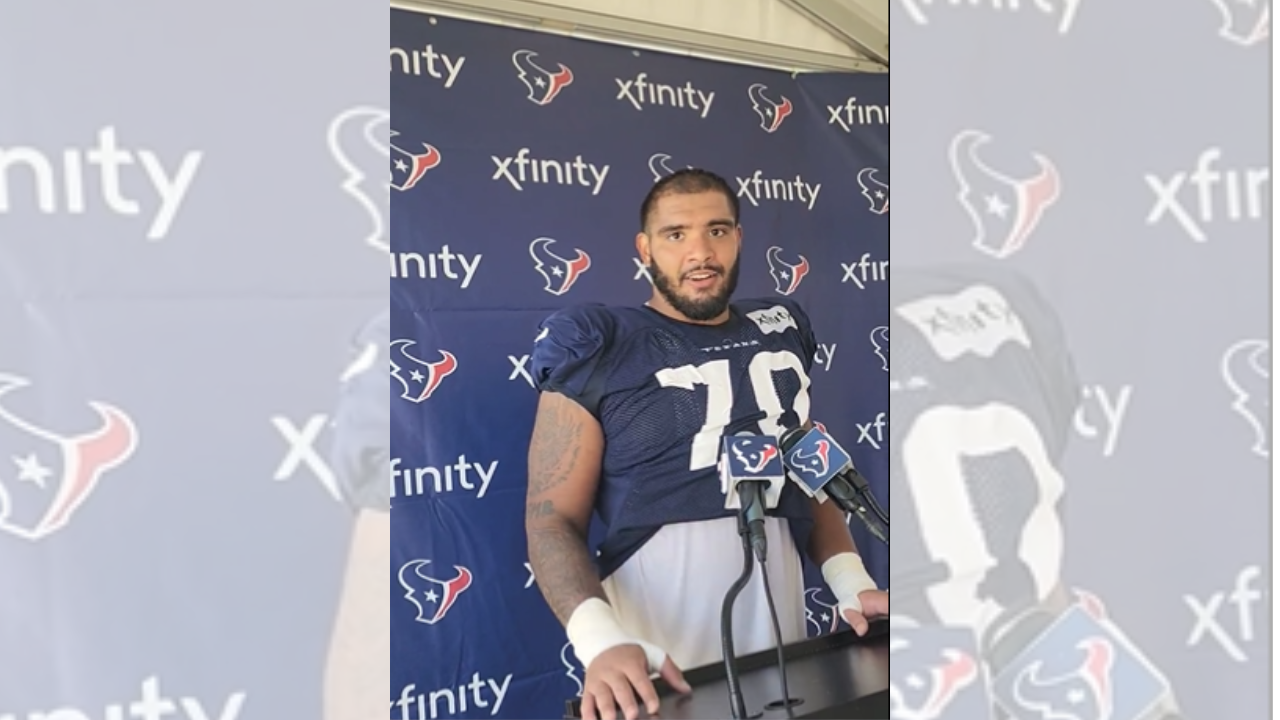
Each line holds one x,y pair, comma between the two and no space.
301,453
758,188
444,264
641,271
481,696
849,114
872,433
1101,415
520,369
640,92
574,172
1064,11
864,271
150,705
825,355
461,475
92,179
1192,200
427,61
1230,635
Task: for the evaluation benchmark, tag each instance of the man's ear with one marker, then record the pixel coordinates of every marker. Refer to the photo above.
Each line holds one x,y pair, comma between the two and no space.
642,247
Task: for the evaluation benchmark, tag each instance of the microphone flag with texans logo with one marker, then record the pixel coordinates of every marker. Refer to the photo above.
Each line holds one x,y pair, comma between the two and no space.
1082,668
815,460
825,471
934,674
751,458
752,477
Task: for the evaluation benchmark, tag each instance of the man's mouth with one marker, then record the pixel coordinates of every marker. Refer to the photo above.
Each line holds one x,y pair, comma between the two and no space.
702,279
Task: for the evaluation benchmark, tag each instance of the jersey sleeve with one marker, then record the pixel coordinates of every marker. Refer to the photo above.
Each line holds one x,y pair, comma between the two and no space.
804,327
569,354
360,448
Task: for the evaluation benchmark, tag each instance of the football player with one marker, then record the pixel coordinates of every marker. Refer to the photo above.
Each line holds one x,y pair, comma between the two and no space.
358,670
633,404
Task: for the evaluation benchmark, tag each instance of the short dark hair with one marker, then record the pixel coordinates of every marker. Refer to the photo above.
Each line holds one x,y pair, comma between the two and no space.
687,182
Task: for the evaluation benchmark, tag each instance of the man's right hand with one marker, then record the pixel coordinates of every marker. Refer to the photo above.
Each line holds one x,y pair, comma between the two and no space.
612,677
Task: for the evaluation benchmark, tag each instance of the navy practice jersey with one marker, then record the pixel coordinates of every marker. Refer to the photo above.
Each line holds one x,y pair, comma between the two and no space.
361,448
665,393
982,392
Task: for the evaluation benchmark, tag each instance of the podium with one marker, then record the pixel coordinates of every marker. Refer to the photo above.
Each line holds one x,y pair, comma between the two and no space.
838,677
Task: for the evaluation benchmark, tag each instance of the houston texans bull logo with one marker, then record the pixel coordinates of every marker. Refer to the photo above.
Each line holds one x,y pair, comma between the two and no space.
1244,22
786,276
1245,370
1083,693
755,458
658,165
432,596
571,666
926,680
558,273
1004,211
356,144
542,84
876,192
407,168
880,345
771,113
424,377
44,476
827,619
815,463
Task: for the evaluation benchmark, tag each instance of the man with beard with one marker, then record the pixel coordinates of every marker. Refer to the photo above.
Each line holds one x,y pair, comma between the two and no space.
634,402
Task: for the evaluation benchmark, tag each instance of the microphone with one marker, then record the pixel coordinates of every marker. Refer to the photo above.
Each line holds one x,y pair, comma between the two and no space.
935,673
823,469
752,477
1082,665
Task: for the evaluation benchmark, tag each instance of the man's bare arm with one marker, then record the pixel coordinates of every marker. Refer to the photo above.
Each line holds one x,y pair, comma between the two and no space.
830,535
358,669
564,471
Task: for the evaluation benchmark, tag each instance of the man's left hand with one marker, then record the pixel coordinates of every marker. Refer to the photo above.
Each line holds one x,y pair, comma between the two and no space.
875,603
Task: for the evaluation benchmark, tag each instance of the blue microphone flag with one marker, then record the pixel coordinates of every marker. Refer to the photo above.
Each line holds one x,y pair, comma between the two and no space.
815,460
1081,667
935,674
745,458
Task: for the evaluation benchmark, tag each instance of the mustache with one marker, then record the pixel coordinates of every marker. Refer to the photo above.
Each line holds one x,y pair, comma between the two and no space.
717,269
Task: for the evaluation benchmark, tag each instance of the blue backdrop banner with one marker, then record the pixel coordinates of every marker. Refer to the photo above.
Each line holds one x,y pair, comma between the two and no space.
518,164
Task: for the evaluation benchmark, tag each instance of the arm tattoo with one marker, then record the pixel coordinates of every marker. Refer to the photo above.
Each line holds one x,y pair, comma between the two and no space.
563,568
539,509
554,449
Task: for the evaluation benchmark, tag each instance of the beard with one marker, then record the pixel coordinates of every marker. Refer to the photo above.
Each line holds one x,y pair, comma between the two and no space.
702,308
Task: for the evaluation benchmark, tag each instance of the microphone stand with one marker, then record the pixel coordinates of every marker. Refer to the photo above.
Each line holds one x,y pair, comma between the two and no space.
737,705
855,505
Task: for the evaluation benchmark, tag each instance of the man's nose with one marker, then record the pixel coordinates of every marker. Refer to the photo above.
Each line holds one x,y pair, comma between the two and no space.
700,249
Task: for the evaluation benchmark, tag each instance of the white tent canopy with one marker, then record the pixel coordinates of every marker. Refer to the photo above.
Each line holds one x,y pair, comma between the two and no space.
796,35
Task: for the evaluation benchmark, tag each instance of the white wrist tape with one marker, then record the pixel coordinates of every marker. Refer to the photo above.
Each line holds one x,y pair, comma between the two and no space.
847,577
593,628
